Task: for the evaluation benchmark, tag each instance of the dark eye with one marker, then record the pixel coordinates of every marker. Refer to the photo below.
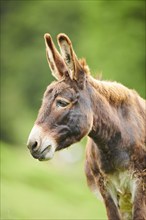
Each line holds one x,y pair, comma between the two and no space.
61,103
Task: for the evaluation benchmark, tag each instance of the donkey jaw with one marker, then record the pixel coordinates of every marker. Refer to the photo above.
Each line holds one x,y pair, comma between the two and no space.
41,145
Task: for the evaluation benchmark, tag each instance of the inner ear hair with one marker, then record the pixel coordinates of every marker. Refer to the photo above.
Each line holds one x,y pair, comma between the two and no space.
71,60
67,52
54,58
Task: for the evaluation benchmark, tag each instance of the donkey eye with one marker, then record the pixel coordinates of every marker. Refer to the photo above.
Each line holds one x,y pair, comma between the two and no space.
61,103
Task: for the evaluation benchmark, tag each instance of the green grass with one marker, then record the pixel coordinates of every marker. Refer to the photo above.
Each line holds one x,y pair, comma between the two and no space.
44,190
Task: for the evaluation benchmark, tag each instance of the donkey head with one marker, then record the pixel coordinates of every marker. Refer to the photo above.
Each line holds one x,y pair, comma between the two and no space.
65,115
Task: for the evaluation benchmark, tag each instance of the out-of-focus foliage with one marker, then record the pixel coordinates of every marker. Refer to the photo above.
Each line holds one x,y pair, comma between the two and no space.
31,190
109,34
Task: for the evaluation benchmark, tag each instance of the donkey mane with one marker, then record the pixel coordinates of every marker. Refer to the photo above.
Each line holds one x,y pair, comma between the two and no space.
114,92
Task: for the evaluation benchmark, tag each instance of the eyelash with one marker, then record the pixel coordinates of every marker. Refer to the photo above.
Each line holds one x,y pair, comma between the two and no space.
61,103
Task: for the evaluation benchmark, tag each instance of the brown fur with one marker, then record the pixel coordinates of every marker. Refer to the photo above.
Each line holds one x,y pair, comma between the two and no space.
113,117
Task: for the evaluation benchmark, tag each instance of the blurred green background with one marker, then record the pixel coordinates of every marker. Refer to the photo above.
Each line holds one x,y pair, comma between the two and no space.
111,36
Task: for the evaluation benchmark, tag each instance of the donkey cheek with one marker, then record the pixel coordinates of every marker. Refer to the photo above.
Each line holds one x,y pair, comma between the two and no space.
87,124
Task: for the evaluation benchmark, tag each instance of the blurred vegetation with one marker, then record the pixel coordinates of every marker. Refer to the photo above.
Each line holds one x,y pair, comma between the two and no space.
111,36
36,191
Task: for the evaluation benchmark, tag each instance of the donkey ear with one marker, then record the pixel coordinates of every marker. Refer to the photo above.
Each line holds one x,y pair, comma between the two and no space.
71,60
56,63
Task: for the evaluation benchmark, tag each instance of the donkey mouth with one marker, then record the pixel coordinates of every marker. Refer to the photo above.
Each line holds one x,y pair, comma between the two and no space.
45,154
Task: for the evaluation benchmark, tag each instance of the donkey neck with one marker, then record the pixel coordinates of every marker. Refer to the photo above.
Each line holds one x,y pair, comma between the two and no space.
106,130
106,97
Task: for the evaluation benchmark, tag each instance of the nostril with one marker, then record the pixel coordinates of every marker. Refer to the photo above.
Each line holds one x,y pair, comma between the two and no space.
34,145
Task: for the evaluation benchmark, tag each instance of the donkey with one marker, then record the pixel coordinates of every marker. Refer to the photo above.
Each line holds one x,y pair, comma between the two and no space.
113,118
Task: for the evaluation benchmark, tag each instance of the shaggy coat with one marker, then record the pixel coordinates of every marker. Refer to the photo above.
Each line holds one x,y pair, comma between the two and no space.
112,116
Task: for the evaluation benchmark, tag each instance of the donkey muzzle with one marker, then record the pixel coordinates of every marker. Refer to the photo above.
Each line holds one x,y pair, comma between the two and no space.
40,144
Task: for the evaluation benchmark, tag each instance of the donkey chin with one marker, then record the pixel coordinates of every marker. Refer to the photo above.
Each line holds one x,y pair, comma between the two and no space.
43,146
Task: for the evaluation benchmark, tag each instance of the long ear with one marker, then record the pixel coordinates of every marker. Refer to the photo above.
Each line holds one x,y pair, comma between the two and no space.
70,57
56,63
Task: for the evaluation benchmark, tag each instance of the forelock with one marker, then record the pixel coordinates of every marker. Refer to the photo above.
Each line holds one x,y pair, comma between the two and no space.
84,65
